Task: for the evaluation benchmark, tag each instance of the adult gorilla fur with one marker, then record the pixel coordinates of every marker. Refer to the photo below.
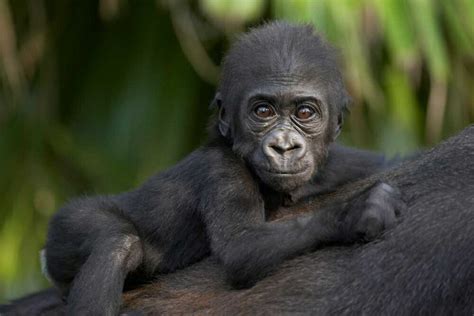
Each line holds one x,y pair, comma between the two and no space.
423,266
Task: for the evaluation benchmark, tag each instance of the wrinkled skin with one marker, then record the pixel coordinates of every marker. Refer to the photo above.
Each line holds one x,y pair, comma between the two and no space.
284,151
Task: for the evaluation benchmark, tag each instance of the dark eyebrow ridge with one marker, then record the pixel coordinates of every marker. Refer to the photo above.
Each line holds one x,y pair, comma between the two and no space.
273,99
262,96
301,99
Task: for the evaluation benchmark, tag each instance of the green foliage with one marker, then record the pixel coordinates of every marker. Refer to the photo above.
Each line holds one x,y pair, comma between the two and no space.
97,96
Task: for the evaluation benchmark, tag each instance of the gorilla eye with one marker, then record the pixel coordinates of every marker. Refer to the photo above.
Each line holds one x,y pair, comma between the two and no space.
304,112
264,111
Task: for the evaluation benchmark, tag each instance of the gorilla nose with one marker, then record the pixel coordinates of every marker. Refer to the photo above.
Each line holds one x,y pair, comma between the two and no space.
282,148
283,144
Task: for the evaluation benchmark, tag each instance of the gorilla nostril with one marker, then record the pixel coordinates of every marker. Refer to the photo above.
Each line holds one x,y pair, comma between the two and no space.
296,146
278,149
282,149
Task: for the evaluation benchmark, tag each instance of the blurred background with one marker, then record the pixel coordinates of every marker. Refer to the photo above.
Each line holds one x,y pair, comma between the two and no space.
95,96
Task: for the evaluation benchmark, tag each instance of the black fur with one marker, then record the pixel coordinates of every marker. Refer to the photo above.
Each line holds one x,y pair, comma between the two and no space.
423,266
219,198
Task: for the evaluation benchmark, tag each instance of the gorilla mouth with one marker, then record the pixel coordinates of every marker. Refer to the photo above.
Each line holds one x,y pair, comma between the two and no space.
285,172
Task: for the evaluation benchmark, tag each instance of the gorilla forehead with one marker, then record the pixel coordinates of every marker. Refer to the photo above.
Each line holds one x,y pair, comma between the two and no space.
279,53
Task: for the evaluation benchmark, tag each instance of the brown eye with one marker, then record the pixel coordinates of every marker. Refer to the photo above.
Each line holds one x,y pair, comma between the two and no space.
304,112
264,111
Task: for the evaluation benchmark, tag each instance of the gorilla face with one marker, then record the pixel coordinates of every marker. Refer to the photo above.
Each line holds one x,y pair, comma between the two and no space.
281,131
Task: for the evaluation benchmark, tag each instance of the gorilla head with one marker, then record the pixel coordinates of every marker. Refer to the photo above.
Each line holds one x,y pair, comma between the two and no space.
281,100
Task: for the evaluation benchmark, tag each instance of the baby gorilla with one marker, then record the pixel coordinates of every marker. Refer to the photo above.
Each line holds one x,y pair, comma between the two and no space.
280,104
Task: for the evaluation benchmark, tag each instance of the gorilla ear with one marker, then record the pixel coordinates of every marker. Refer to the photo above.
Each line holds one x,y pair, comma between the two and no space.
224,127
344,110
340,121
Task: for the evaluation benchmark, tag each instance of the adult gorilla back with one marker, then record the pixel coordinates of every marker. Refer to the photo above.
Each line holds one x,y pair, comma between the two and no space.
425,265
